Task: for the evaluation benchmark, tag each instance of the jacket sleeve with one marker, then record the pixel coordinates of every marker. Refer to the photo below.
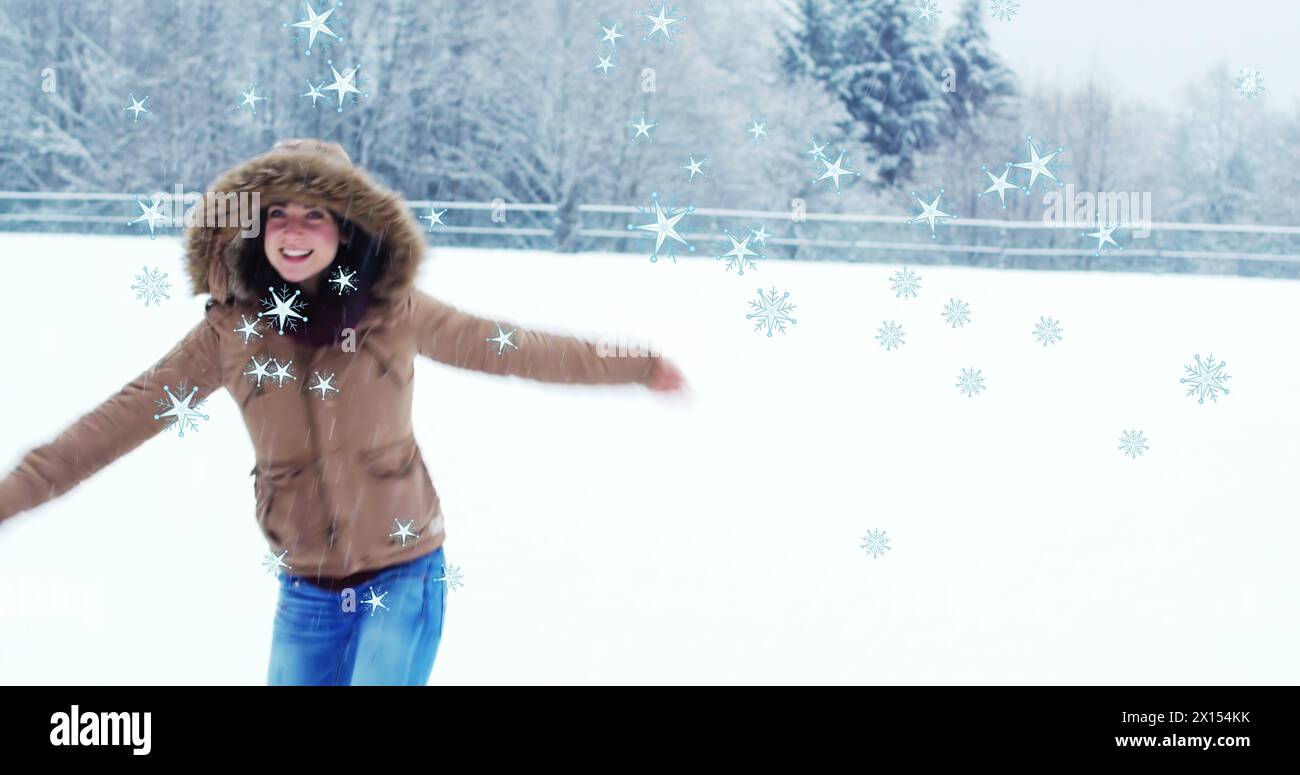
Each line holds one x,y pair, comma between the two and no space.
449,335
117,426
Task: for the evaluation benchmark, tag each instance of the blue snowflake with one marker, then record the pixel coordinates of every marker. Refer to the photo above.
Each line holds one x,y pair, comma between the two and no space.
179,413
316,25
453,577
1103,237
930,213
771,311
662,23
664,227
739,256
818,152
1132,443
1250,82
956,313
1000,185
833,170
1046,165
876,543
151,286
1004,9
927,11
1206,378
906,283
151,215
1047,330
970,382
345,84
890,335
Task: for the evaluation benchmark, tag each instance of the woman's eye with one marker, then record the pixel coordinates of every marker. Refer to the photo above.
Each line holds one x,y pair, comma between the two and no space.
314,214
276,212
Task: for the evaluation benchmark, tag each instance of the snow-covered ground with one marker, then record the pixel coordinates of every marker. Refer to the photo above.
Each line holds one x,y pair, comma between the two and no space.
608,535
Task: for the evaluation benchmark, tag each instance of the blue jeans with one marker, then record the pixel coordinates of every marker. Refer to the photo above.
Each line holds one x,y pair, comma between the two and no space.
317,643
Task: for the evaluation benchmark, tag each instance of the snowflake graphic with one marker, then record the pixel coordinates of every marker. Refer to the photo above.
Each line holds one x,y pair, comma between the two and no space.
1038,164
1000,185
284,308
695,167
316,25
375,601
771,311
1004,9
661,23
818,152
927,11
179,414
434,218
604,64
876,543
1103,237
313,91
151,215
611,34
642,128
664,227
1206,378
758,129
324,383
249,329
258,370
833,171
453,577
151,286
250,99
740,254
930,213
970,382
1250,82
502,340
1132,443
956,313
1047,330
345,85
906,283
890,335
402,532
343,280
761,234
281,372
272,562
137,106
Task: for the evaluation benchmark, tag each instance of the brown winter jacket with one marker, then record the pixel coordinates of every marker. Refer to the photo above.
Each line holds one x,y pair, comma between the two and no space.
334,475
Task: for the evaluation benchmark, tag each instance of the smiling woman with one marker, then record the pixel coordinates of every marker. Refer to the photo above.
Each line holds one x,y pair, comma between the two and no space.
301,241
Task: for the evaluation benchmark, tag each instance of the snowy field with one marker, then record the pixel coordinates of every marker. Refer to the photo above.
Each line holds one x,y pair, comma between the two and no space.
608,535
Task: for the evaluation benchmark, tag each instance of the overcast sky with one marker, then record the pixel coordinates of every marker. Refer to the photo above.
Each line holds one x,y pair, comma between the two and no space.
1151,49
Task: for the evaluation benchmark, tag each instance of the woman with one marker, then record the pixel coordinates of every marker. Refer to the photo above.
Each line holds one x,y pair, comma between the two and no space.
313,326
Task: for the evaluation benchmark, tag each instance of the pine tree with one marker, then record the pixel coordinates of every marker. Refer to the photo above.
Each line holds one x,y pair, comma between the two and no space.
983,85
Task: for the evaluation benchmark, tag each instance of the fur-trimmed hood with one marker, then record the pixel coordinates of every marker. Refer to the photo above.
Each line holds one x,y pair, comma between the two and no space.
313,172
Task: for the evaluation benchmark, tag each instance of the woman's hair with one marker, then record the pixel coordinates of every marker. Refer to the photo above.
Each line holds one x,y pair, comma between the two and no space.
328,312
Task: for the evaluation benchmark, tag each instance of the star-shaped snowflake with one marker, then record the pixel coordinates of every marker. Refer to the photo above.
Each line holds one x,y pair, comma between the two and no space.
738,257
285,309
137,106
151,287
1133,443
1000,185
345,84
956,313
1103,237
401,532
771,311
664,227
876,543
661,23
502,339
1047,330
927,11
835,171
970,382
315,24
273,562
434,218
1040,164
151,215
313,91
611,34
930,213
905,283
890,335
249,329
695,167
642,128
258,370
250,99
757,129
453,577
343,279
604,64
375,601
1250,82
324,383
1206,378
179,414
281,372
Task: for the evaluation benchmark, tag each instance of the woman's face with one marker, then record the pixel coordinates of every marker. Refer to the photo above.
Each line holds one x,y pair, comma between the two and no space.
300,240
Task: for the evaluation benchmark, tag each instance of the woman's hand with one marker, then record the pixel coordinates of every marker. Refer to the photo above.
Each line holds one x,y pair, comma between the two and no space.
666,377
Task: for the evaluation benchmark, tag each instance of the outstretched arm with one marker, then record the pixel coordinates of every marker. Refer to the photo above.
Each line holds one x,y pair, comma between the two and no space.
115,427
448,335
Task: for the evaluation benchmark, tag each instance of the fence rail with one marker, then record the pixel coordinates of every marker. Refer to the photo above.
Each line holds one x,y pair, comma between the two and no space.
1248,249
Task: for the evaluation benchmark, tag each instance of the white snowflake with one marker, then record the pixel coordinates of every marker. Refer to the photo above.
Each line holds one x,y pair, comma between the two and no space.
250,99
1206,378
285,309
1000,185
906,283
402,532
343,279
642,128
1250,82
324,383
604,64
453,577
345,85
927,11
664,227
137,106
662,23
1047,330
249,329
930,213
151,215
502,340
315,24
313,91
180,415
758,130
740,254
956,313
1039,164
258,370
151,286
890,335
835,171
1103,237
695,167
281,372
375,601
818,152
970,382
273,562
1004,9
876,543
434,218
611,34
1132,443
771,311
